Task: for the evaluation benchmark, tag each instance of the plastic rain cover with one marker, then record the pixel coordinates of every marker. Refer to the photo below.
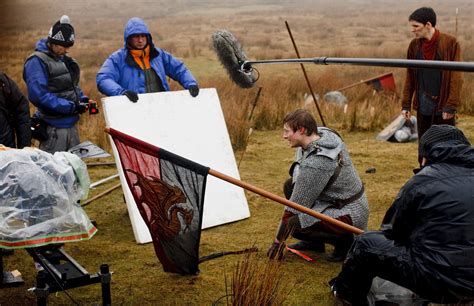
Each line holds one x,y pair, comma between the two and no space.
38,198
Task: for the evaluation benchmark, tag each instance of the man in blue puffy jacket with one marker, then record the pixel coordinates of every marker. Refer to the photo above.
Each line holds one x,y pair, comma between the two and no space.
52,78
140,67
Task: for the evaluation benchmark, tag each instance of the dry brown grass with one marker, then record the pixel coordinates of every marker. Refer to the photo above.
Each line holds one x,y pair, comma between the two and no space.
138,277
331,28
257,281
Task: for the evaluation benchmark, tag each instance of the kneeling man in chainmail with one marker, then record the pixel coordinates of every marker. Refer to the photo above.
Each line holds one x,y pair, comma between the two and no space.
324,180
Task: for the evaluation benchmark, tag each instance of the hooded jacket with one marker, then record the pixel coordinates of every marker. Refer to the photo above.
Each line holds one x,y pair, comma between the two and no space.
120,72
55,95
433,217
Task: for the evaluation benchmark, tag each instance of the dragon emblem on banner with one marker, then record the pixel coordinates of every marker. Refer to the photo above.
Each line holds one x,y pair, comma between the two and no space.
159,202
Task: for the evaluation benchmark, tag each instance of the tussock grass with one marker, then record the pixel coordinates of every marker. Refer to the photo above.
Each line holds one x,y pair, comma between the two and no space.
257,281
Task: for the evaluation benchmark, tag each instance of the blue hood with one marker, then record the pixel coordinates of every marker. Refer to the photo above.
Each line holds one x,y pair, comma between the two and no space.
136,26
41,45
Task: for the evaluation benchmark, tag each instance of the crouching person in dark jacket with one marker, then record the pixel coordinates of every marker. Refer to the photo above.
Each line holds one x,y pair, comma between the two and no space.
426,243
14,115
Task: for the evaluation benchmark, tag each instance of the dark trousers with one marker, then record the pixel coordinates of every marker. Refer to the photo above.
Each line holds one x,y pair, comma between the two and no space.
425,122
371,255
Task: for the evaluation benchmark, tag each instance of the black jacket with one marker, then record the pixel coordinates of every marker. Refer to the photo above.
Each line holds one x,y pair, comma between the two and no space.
15,129
433,216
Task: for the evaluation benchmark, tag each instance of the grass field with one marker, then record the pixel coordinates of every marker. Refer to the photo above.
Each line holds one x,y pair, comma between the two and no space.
138,278
356,28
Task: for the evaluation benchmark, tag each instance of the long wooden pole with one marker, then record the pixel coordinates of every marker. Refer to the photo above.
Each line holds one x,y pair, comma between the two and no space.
103,193
286,202
363,81
254,104
104,180
456,28
100,164
251,126
305,74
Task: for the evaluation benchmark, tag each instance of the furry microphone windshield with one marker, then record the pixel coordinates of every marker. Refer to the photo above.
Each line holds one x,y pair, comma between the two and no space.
240,69
232,56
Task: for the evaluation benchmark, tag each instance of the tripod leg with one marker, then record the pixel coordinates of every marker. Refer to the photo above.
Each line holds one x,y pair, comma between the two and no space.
105,277
42,289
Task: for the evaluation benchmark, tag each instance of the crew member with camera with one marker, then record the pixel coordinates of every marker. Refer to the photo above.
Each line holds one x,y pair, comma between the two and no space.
52,78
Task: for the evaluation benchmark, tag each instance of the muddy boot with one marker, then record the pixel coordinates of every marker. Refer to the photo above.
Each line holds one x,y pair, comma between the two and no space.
342,244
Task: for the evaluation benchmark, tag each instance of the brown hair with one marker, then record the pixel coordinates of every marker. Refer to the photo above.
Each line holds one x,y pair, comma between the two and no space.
424,15
301,118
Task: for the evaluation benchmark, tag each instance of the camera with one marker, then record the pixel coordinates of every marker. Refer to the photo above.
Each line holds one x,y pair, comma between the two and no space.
93,110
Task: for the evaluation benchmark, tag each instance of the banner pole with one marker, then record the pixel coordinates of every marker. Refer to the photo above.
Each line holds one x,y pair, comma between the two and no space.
286,202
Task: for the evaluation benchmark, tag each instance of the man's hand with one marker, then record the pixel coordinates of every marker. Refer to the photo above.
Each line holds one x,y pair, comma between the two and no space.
193,90
82,107
406,114
447,116
131,95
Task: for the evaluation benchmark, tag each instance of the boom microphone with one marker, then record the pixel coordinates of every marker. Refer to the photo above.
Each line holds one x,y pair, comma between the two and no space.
232,56
240,69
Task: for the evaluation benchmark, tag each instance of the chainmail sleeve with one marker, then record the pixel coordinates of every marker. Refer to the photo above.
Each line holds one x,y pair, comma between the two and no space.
317,165
314,174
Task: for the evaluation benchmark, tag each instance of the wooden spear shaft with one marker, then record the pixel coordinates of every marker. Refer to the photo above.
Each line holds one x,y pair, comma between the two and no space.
100,164
305,74
254,104
251,126
101,194
456,28
363,81
286,202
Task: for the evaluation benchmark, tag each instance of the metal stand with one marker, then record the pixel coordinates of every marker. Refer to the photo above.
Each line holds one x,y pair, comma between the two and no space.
62,272
8,279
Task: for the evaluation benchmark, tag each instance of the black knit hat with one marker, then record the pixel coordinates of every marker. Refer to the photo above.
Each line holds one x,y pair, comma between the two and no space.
441,133
62,33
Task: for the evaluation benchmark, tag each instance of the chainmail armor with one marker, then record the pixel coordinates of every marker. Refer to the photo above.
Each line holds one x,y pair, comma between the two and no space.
316,166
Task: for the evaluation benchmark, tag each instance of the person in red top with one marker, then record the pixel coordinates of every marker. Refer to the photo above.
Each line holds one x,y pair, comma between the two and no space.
434,94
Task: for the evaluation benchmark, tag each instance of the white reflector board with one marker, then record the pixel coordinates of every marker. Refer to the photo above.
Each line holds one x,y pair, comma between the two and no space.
193,128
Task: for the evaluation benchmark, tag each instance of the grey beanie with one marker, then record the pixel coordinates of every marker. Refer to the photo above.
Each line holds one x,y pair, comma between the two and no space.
440,133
